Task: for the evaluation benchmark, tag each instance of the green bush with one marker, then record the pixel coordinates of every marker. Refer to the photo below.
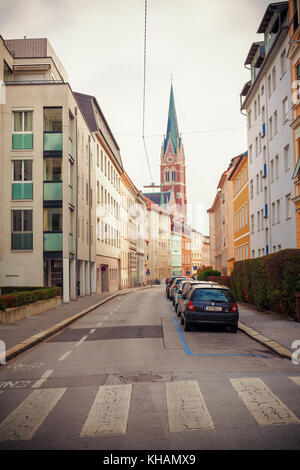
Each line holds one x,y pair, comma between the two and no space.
269,282
202,276
17,299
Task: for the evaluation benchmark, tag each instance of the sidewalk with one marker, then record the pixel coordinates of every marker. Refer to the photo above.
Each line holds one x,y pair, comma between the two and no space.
25,333
270,329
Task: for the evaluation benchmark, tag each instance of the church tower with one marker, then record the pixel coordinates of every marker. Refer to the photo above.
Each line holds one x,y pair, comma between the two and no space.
172,166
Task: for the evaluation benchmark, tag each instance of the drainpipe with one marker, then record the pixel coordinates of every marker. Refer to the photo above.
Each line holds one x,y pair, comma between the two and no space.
76,202
90,210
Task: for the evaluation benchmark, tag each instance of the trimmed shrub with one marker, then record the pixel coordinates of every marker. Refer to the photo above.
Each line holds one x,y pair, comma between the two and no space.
18,299
202,276
269,282
223,280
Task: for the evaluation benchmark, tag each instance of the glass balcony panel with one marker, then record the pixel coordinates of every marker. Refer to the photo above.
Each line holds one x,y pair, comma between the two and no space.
52,241
21,241
22,190
22,141
52,141
52,191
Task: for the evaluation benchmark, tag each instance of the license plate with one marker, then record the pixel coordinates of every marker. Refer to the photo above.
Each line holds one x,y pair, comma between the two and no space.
214,309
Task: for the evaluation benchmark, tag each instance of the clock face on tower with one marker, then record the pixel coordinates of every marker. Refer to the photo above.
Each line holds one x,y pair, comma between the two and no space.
169,158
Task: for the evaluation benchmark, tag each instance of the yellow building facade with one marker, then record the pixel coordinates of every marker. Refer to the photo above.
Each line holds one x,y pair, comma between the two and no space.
239,178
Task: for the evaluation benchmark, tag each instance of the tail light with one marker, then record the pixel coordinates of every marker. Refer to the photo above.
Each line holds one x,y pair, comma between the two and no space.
191,306
234,308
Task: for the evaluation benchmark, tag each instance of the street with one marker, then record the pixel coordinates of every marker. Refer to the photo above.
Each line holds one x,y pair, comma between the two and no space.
126,376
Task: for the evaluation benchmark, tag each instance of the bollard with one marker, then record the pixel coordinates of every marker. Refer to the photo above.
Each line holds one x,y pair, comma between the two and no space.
297,295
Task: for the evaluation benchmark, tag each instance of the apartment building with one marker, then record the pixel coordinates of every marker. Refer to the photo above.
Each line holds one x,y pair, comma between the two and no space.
186,251
196,250
42,242
239,178
107,171
293,155
221,223
206,251
267,101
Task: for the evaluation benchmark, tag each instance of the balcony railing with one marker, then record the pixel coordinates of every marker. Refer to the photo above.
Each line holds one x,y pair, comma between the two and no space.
52,241
22,141
21,241
52,141
52,191
22,191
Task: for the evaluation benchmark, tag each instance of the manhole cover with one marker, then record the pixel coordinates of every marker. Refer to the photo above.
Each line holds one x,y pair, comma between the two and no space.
139,378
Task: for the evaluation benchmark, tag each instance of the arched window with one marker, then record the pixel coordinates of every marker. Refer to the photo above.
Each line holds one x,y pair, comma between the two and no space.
167,175
173,175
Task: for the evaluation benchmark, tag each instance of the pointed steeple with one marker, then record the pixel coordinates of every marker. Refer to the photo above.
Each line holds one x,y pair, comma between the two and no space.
172,128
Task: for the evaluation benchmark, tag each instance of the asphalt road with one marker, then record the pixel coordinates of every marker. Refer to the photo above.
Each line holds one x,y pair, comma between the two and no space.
126,376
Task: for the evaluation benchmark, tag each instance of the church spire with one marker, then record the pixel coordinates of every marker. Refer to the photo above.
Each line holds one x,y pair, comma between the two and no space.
172,128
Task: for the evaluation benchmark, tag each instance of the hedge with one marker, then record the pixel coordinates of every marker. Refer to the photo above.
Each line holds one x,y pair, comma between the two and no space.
13,289
18,299
269,282
202,276
224,280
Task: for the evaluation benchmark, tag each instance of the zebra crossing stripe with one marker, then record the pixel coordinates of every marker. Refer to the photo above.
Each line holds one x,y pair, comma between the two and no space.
109,412
186,407
295,379
264,406
26,419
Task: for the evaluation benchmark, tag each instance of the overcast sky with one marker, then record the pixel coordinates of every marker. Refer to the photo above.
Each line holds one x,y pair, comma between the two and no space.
202,43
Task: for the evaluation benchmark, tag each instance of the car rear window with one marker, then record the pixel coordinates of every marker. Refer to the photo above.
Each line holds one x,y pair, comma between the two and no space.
178,281
213,295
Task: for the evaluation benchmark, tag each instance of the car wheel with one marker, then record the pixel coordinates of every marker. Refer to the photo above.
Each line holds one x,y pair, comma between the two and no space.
234,328
176,308
181,320
186,325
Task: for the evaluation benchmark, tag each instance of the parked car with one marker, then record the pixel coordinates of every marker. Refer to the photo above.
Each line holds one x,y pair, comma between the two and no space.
175,283
178,292
169,283
184,294
210,304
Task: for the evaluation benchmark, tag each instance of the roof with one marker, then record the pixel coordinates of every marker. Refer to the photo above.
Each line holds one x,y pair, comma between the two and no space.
272,8
172,127
240,158
253,50
85,103
161,198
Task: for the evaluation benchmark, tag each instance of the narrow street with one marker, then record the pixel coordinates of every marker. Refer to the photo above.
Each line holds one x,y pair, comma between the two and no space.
127,377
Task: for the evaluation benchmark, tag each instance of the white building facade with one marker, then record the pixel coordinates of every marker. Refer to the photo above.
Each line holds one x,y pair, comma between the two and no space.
267,102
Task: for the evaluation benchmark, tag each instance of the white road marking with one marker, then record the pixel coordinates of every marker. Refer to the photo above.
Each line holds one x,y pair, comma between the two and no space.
92,331
64,356
26,419
43,379
186,407
106,317
80,341
295,379
99,324
264,406
109,412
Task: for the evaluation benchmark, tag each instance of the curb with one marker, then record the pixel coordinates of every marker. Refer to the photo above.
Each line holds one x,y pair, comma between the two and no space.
42,335
269,343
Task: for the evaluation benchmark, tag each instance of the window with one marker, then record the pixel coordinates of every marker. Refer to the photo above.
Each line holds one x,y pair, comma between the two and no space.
283,63
273,213
262,90
257,183
288,205
52,119
274,78
52,169
22,137
250,153
275,123
255,110
173,175
256,146
285,114
252,223
98,155
21,236
22,179
259,141
101,158
262,219
269,86
53,219
105,165
258,221
251,189
249,119
278,210
246,214
98,192
270,128
287,158
258,104
276,167
167,175
272,170
261,180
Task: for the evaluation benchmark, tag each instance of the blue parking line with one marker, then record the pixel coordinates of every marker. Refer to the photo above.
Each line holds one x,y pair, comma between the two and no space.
189,352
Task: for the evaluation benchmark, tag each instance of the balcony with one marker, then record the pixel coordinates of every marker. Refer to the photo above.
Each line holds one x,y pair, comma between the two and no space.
52,191
70,243
53,142
52,241
22,191
21,241
22,141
